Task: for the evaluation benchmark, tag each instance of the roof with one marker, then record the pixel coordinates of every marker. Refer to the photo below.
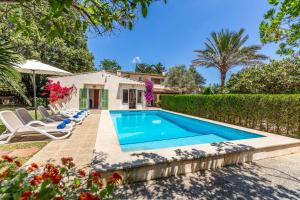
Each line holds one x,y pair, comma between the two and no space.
136,73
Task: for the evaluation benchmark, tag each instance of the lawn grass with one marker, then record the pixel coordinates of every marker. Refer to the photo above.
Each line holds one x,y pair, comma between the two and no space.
23,145
20,145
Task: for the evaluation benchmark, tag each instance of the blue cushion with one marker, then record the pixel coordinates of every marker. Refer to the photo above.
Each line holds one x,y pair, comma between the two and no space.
67,121
61,125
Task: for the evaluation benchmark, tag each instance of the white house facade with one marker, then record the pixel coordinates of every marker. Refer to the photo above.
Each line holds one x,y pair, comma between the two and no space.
102,90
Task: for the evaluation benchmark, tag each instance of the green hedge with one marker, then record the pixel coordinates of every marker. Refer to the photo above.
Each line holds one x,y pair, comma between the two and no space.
273,113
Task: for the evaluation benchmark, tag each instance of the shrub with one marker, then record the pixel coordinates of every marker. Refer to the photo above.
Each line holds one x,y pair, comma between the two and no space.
276,77
41,101
53,182
273,113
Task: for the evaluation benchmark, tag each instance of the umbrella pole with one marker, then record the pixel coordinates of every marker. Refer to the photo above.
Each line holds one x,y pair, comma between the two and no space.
34,94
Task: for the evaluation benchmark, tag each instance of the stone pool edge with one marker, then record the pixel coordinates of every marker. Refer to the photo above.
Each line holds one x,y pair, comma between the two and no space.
151,164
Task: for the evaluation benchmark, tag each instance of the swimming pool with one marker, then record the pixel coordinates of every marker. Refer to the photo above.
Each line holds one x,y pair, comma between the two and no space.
154,129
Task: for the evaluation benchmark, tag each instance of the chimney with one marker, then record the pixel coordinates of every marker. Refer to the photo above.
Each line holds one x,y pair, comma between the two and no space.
119,73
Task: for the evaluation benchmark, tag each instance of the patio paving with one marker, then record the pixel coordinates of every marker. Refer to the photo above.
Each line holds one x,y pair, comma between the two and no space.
79,145
272,178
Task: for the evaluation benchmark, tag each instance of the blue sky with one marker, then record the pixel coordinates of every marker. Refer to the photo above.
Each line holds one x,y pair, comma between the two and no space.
171,32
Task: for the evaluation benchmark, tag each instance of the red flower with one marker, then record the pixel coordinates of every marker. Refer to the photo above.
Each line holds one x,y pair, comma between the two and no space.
96,178
59,198
52,173
87,196
68,162
56,179
32,167
25,195
96,174
81,172
115,178
36,180
18,163
7,158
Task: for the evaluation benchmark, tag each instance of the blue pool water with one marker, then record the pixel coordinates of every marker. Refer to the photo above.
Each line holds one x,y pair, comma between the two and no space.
138,130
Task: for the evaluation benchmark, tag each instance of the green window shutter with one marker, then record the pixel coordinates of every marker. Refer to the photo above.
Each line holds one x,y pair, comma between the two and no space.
104,99
83,98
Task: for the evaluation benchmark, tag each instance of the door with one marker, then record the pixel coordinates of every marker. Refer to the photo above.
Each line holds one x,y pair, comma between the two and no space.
83,104
104,99
96,99
132,98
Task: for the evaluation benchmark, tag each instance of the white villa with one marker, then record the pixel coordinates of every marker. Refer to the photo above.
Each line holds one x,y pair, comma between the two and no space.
107,90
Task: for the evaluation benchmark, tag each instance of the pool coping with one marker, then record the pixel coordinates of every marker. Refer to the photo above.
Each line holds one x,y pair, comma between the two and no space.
109,157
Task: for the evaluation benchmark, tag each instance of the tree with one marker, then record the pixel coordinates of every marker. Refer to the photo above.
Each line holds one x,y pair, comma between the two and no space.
158,68
8,75
150,68
108,64
212,89
193,80
281,25
282,76
143,68
225,50
101,15
31,37
186,80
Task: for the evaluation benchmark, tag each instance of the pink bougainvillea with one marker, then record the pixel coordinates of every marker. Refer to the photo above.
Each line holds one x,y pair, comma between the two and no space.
55,91
149,90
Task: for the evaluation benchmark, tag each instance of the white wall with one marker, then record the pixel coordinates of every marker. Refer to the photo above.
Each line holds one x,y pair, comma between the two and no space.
110,82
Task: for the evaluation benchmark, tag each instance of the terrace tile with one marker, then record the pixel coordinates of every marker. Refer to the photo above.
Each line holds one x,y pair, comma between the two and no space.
79,145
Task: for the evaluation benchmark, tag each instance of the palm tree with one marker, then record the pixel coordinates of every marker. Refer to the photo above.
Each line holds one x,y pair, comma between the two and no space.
159,68
9,77
143,68
225,50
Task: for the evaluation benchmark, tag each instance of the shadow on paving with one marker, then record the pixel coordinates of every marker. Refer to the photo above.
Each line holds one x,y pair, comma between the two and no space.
248,181
143,158
233,182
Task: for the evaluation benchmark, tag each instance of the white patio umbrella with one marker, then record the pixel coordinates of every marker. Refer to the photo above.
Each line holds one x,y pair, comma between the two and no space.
36,67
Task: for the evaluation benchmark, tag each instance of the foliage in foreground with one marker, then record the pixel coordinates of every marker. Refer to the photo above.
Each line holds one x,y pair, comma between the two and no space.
226,49
273,113
8,75
277,77
31,36
101,15
282,25
53,182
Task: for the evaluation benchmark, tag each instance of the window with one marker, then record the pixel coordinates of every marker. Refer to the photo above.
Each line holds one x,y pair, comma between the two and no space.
155,80
140,78
125,96
140,96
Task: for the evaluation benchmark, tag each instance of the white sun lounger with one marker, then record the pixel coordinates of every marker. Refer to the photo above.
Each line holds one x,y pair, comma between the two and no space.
69,112
57,112
64,106
50,117
26,118
15,127
54,117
